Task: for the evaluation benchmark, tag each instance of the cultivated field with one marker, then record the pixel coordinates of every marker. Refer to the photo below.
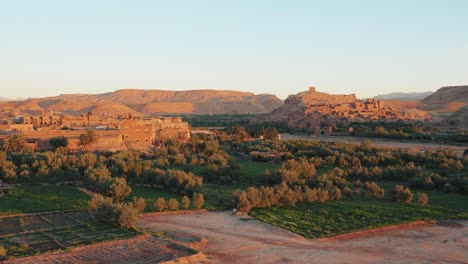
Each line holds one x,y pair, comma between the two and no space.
231,240
35,234
30,199
142,249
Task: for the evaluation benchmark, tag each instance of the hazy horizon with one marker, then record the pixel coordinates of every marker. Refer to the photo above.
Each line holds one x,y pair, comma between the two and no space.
342,47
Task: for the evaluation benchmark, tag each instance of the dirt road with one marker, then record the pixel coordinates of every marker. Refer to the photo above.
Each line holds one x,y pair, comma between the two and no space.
380,142
231,240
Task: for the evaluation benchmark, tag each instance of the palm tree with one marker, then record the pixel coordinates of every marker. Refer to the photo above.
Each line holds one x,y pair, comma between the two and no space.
88,115
14,143
88,139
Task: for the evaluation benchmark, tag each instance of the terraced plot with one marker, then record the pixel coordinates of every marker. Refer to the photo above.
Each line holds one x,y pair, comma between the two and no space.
142,249
36,234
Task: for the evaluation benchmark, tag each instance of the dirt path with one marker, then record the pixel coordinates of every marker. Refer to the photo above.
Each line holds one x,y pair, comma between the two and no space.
381,142
86,191
231,240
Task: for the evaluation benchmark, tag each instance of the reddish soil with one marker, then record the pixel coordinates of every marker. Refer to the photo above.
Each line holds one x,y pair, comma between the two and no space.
231,240
143,249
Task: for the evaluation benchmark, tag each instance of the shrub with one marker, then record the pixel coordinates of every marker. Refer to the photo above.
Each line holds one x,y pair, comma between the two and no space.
310,195
127,215
335,194
198,200
3,252
423,199
448,187
372,189
119,189
102,205
243,204
185,203
160,204
323,196
57,142
139,203
347,191
401,194
173,204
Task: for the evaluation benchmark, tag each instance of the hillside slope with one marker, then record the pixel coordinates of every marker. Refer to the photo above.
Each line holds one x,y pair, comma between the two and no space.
404,96
445,101
458,119
155,101
448,94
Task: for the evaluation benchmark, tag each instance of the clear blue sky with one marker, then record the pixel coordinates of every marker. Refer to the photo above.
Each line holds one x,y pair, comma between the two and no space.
279,47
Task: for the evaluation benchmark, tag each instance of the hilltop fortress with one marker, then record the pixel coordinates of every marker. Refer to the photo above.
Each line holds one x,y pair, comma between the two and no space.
311,109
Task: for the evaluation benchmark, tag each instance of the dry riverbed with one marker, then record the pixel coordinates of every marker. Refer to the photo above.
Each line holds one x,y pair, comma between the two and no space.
232,240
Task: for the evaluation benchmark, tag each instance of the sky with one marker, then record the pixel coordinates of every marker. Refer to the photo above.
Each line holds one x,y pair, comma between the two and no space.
273,46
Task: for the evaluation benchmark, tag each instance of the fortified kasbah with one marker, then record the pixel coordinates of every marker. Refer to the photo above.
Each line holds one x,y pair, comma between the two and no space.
113,133
310,110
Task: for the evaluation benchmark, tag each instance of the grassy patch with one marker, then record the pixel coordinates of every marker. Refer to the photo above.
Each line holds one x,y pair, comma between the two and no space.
251,170
219,196
42,198
437,198
358,213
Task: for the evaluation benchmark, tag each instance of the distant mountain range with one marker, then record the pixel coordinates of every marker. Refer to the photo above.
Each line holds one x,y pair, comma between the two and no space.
404,96
7,99
443,102
138,101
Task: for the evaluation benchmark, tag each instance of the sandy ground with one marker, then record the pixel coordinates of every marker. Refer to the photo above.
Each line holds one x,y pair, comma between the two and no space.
231,240
380,142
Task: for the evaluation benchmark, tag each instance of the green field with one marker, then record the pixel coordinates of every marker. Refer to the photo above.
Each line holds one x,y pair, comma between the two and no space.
437,198
251,171
357,213
42,198
35,234
219,196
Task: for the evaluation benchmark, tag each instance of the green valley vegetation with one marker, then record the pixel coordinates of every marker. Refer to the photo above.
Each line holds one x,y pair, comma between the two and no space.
261,176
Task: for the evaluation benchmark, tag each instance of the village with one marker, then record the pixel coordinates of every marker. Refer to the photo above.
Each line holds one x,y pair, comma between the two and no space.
113,133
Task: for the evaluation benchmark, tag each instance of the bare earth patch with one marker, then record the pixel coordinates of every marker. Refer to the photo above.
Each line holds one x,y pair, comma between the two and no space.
231,240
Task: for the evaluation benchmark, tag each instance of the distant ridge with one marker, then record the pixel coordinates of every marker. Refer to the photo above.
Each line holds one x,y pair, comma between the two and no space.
8,99
138,101
446,100
415,96
448,94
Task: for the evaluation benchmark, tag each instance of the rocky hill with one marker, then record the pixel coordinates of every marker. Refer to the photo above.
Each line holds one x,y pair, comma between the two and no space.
403,96
445,101
448,94
459,119
137,101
